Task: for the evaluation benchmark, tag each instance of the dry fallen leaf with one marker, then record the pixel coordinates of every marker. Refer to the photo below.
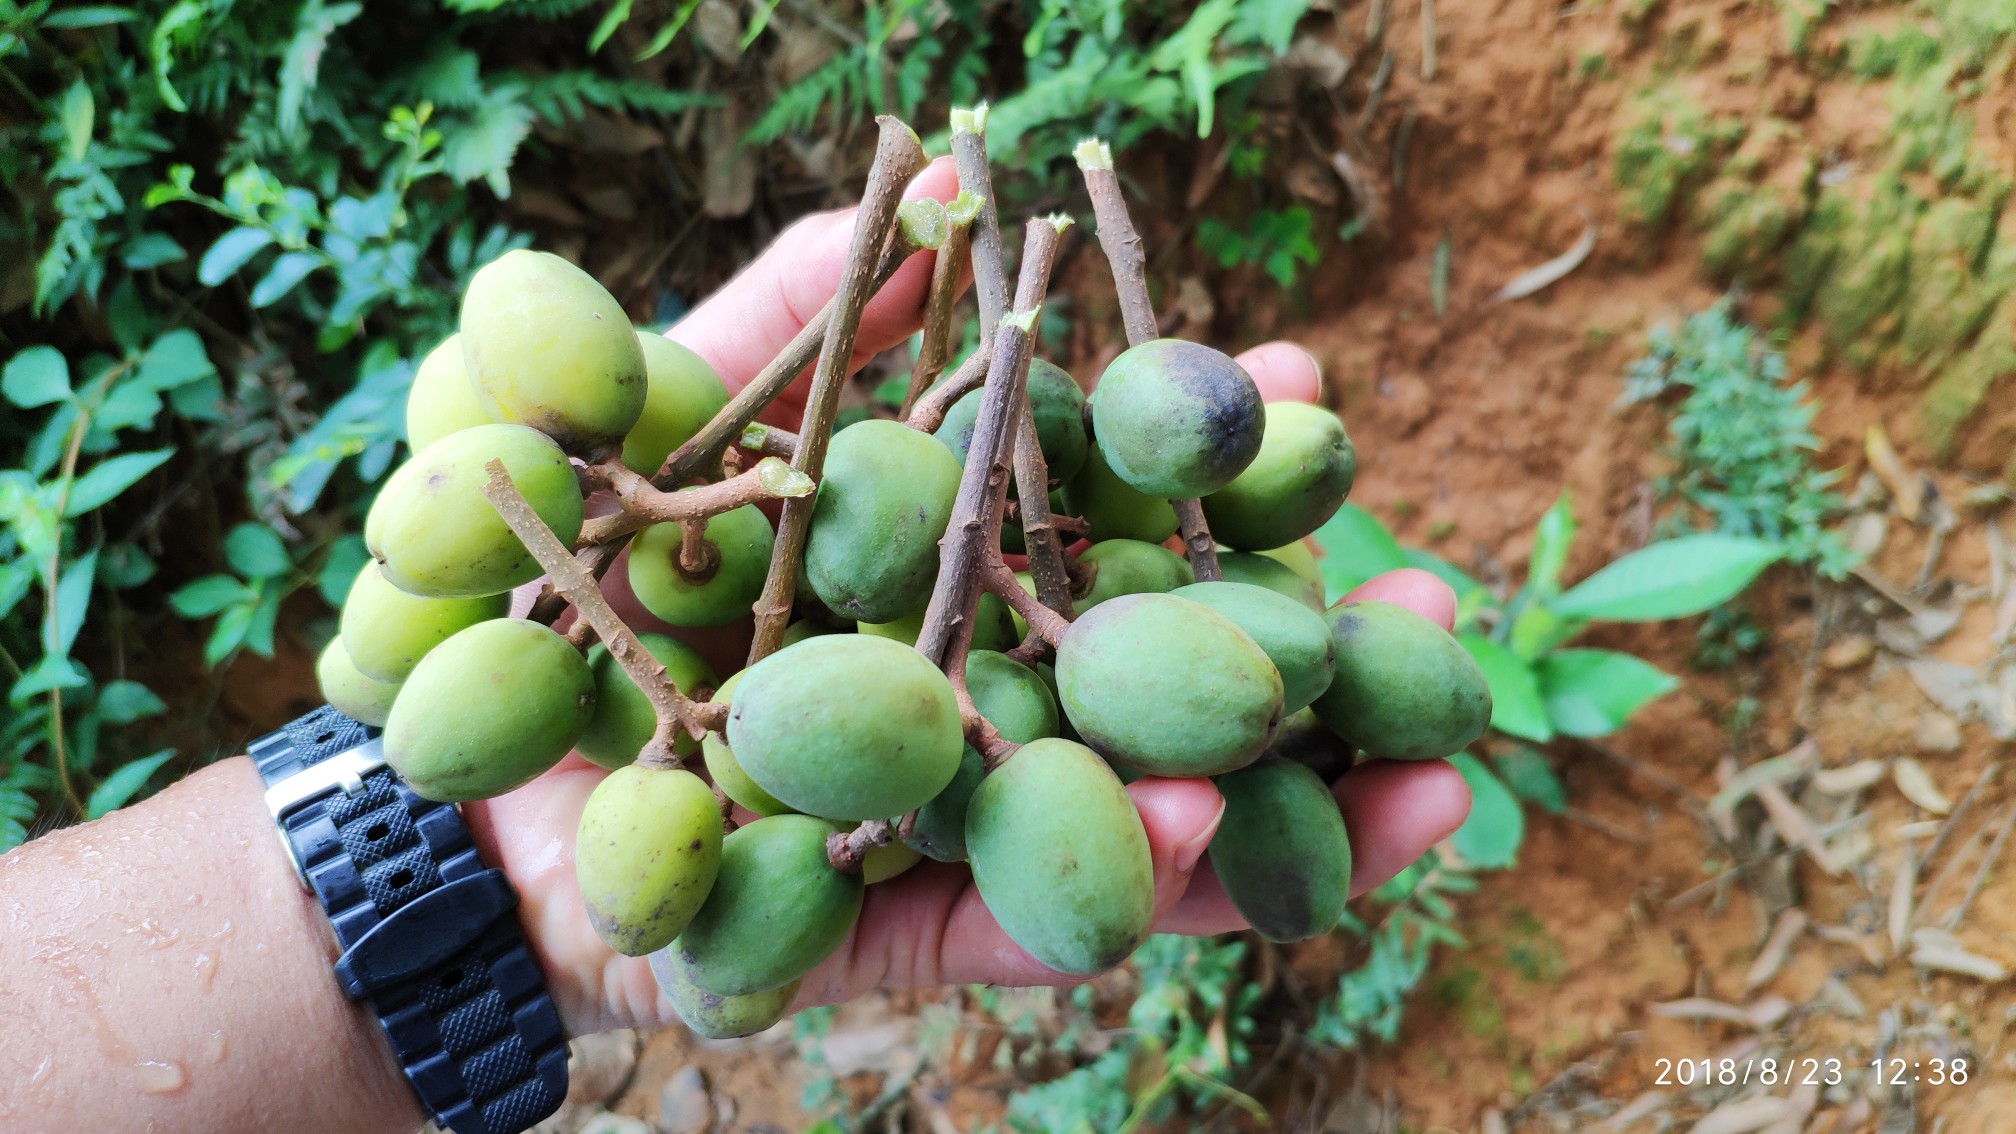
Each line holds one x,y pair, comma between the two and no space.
1916,783
1851,778
1777,949
1905,488
1534,279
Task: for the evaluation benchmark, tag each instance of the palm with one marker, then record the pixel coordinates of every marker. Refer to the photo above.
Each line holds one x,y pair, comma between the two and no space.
928,926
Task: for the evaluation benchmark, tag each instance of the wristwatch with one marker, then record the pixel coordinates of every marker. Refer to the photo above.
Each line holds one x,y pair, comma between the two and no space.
429,937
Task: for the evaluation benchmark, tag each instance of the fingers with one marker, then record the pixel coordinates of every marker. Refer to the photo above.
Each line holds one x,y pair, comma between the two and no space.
1417,590
1393,810
740,328
1284,372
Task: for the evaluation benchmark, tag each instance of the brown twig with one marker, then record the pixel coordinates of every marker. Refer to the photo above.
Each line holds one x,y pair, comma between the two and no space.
551,604
898,157
572,579
1044,622
698,557
941,307
644,504
1122,245
1044,550
769,441
847,851
929,412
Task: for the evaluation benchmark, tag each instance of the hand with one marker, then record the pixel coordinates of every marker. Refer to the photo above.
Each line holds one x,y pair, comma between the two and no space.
928,926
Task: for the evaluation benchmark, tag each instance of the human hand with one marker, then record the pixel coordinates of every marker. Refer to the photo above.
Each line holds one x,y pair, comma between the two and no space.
927,926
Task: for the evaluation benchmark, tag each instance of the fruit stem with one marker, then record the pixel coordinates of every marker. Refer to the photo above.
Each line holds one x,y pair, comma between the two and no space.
1124,253
847,851
1043,622
1032,475
941,308
570,577
929,412
769,441
644,505
703,450
698,557
898,158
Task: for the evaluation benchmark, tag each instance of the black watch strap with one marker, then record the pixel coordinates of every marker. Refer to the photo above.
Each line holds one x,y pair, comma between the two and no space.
429,935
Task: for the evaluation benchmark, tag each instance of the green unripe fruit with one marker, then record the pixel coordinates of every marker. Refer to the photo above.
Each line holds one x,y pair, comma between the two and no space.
433,531
727,771
1304,739
1303,472
548,347
624,719
387,631
1177,419
872,553
442,399
1128,567
1404,689
1168,686
993,628
713,1016
488,710
1021,707
811,628
1297,557
1266,571
354,694
1111,509
846,726
777,909
1058,406
1281,851
1296,639
1060,857
646,854
742,540
887,861
681,394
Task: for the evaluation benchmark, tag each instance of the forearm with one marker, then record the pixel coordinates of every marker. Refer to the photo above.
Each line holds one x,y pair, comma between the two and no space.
162,969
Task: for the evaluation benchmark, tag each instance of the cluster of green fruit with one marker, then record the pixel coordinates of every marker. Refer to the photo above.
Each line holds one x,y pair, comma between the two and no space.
1248,679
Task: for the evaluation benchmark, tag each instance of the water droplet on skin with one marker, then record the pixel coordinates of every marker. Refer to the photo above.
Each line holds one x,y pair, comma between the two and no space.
159,1076
213,1047
206,971
43,1069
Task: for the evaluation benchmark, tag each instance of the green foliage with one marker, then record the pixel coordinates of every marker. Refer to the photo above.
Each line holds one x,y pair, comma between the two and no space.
1668,148
1278,241
1742,438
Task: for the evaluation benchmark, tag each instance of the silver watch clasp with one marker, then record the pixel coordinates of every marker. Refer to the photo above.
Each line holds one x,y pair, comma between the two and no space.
344,771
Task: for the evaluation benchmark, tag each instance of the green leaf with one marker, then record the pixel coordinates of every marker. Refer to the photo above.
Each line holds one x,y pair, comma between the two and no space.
1551,539
303,59
123,702
1671,579
52,672
1525,770
1593,692
174,360
151,250
257,551
67,607
17,578
606,27
107,479
1516,707
35,377
208,595
1489,839
223,259
1355,547
124,783
79,116
1538,629
88,16
346,558
230,631
286,273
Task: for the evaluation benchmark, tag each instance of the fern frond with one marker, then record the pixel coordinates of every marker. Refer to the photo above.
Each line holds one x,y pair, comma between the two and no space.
563,97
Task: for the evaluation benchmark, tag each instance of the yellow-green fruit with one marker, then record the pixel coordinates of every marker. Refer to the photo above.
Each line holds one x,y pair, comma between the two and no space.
646,854
548,347
354,694
993,628
1297,557
1304,739
811,628
847,726
624,719
1281,851
1405,689
488,710
682,393
433,531
1177,419
441,399
1113,510
1302,473
872,553
1129,567
387,631
1168,686
727,771
887,861
1296,639
742,539
1267,571
777,909
714,1016
1020,705
1060,857
1056,403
